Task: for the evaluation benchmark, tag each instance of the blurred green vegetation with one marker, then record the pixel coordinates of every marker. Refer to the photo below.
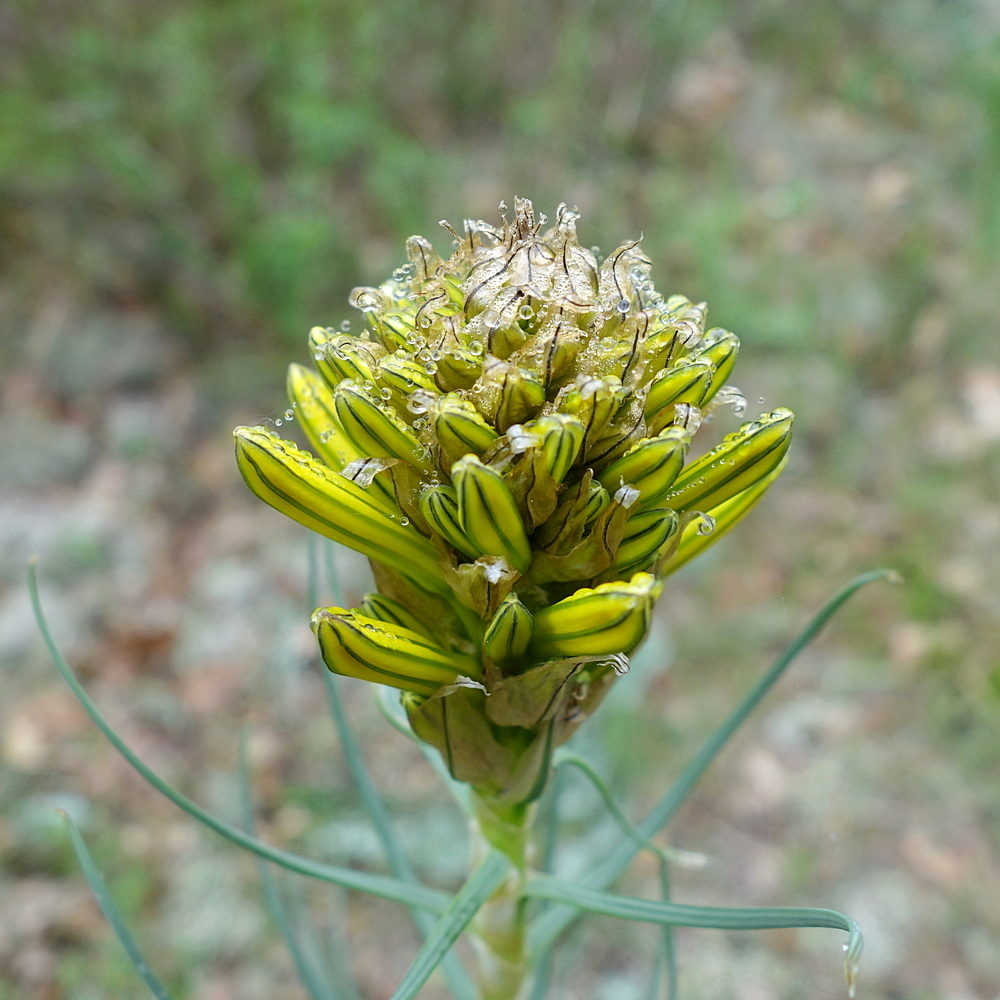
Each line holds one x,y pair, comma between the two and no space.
238,166
825,174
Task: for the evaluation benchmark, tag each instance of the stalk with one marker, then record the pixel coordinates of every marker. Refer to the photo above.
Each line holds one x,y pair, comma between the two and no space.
499,929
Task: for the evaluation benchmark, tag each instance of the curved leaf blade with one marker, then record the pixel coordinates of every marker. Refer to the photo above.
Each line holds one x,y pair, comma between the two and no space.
464,906
376,885
110,908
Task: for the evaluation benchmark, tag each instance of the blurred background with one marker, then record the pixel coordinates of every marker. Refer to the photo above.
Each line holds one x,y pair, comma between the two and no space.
187,187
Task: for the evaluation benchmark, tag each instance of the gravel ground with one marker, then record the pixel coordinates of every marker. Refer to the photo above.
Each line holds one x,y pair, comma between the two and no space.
863,784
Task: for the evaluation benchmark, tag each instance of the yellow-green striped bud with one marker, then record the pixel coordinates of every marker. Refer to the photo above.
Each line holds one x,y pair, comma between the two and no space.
339,356
293,482
456,428
651,466
385,609
552,352
401,376
688,381
593,401
506,394
720,347
499,330
739,462
376,430
701,532
508,634
357,646
488,513
439,505
317,417
644,540
610,618
458,368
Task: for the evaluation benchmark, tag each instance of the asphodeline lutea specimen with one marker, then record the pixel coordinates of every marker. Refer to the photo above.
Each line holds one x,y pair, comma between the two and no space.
507,441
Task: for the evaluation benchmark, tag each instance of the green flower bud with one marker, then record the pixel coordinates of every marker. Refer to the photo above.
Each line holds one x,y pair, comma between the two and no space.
593,401
610,618
293,482
689,381
488,513
315,412
701,532
339,356
456,428
439,505
376,431
356,646
644,539
508,634
400,377
720,347
651,466
506,394
744,458
385,609
459,368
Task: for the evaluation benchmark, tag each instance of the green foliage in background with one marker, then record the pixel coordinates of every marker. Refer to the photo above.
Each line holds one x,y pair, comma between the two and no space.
240,165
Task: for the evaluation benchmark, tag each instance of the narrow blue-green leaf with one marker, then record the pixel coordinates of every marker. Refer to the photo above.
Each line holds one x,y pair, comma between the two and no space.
313,979
547,928
667,957
376,885
100,890
714,917
459,983
547,825
478,888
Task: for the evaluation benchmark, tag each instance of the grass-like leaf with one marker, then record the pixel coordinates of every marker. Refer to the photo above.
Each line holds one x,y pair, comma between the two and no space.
114,916
667,957
681,915
551,924
478,888
458,981
313,978
376,885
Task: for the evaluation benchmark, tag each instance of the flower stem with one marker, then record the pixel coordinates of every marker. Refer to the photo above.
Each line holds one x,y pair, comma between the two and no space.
499,927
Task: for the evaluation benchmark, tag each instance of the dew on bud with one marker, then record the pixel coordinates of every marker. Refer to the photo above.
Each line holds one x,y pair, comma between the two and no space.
706,523
525,312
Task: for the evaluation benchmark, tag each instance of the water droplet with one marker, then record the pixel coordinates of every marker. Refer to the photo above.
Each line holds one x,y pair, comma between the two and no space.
425,321
760,400
525,312
345,326
369,385
706,523
289,415
622,306
277,422
431,367
386,394
404,521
